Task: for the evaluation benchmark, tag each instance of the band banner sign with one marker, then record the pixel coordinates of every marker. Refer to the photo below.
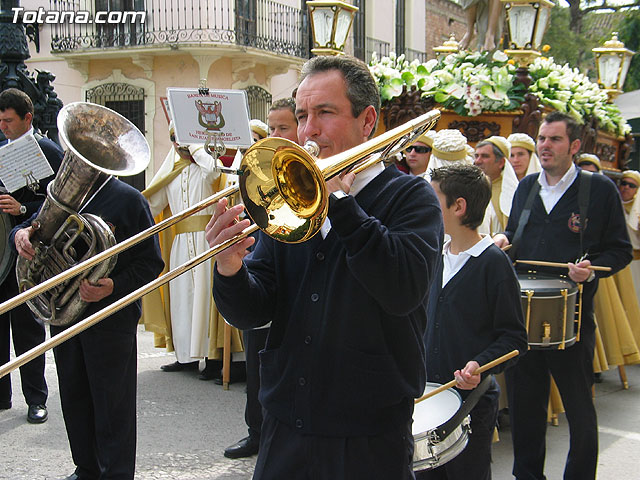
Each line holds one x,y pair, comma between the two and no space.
197,114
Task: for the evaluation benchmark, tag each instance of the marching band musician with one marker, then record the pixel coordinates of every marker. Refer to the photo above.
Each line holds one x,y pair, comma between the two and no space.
344,358
474,314
97,369
16,115
555,231
282,123
185,318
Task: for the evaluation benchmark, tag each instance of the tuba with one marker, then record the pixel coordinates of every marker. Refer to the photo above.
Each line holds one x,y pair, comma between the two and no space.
100,143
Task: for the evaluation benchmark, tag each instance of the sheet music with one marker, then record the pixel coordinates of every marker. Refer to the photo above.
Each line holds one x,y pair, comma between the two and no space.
22,161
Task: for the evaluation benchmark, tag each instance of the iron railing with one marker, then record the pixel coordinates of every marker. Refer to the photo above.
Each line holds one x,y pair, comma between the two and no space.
262,24
411,55
379,46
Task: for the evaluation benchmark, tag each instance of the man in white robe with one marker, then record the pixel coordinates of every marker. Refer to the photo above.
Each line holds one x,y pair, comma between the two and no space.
491,156
194,330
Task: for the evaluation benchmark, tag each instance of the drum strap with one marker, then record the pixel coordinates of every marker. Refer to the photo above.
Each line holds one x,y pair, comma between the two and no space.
523,220
450,425
584,190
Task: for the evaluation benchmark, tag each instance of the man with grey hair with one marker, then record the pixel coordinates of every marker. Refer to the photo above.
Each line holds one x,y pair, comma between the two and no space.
491,156
344,358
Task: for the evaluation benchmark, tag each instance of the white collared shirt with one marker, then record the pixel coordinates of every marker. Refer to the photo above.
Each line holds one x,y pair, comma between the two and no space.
361,181
551,194
452,264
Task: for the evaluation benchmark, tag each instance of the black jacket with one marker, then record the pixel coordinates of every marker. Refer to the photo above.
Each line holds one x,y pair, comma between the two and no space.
345,352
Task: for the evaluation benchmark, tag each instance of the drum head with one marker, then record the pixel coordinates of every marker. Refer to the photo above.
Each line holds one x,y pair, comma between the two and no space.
545,284
7,254
436,410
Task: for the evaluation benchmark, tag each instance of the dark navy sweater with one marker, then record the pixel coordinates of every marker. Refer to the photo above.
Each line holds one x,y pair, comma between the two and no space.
345,354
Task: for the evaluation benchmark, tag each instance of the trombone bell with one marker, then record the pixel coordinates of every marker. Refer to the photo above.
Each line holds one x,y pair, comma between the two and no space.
283,190
283,186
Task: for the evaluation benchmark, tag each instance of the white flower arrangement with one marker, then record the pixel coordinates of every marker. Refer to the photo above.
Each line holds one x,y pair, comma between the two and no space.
473,83
566,89
468,83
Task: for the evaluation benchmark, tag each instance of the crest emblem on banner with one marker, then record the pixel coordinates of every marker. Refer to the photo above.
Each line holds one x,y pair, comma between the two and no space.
210,114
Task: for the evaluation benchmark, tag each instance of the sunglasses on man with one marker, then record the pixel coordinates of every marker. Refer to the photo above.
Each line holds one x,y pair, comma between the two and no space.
628,184
418,149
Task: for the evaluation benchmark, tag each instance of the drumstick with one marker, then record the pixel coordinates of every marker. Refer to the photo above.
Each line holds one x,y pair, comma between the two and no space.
482,369
562,265
506,247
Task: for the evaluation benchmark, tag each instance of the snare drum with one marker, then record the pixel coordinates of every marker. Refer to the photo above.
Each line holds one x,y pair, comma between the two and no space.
549,304
433,446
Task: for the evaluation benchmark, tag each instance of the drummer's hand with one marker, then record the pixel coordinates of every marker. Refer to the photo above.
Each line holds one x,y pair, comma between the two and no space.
23,243
500,240
9,205
579,272
465,378
224,225
97,291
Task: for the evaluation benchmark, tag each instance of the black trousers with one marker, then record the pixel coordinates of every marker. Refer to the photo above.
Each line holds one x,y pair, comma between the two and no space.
528,393
474,462
285,454
97,378
254,341
27,332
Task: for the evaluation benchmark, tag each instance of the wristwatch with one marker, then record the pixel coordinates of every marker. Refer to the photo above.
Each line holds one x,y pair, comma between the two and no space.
23,209
591,277
337,195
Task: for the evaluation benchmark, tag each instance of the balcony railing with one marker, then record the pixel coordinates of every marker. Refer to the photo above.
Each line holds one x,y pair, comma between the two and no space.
379,46
262,24
411,55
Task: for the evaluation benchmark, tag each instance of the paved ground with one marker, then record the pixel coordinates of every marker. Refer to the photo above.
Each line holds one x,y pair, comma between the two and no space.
184,425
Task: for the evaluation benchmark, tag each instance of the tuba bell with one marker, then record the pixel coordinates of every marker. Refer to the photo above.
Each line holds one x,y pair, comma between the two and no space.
100,143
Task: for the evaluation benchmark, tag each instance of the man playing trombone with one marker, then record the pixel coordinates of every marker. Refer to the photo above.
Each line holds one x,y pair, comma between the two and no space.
344,358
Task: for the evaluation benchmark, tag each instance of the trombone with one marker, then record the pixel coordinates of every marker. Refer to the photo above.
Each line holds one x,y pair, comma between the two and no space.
283,188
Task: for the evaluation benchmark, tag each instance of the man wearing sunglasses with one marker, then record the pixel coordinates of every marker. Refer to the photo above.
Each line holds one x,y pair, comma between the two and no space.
629,186
418,154
631,202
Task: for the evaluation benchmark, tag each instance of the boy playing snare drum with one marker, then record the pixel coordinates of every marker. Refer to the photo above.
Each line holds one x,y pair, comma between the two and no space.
474,313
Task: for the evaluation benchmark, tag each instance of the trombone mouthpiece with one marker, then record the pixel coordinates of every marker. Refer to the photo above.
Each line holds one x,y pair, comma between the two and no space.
312,148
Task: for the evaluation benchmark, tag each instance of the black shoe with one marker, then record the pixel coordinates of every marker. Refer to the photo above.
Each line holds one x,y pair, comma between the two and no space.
5,405
178,367
597,377
212,370
238,373
37,414
244,448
